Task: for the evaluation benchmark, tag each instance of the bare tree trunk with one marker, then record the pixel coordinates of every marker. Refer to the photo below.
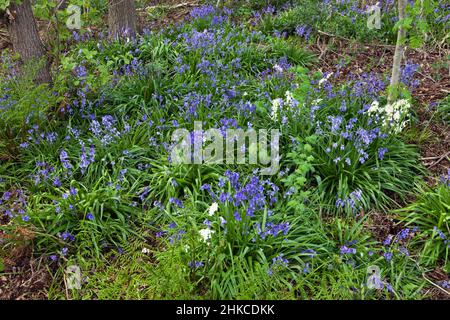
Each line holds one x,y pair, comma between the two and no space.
122,18
399,49
25,37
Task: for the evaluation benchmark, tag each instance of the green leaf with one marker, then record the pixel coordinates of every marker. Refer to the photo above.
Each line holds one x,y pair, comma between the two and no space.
4,4
415,42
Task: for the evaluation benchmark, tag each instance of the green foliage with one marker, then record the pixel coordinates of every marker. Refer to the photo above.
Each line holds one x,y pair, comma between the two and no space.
431,213
4,4
443,110
293,50
22,103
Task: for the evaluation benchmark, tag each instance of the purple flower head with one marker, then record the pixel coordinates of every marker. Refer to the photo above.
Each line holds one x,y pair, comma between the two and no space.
388,256
347,250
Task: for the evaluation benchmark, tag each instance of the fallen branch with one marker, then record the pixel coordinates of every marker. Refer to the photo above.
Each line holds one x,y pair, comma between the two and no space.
177,6
351,40
436,157
439,159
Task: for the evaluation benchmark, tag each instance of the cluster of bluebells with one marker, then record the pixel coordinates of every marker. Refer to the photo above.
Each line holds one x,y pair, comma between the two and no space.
398,243
6,100
253,196
217,17
444,284
249,199
13,203
44,172
303,31
278,263
172,233
353,10
349,138
353,201
86,157
106,130
408,73
226,75
64,158
196,264
35,137
442,236
347,249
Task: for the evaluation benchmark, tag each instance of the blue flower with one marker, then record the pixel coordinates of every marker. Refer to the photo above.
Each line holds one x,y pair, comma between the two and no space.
347,250
196,264
381,153
388,256
73,191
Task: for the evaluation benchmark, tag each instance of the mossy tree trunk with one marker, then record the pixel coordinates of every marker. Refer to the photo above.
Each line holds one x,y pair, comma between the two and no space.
122,18
398,55
25,38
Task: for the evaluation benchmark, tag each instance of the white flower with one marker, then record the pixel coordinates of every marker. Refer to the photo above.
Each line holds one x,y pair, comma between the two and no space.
213,208
395,115
374,107
325,79
206,234
276,104
389,109
316,102
278,68
145,251
289,97
290,100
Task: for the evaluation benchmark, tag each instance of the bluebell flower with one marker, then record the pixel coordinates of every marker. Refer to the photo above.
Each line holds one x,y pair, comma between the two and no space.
388,256
196,264
381,153
347,250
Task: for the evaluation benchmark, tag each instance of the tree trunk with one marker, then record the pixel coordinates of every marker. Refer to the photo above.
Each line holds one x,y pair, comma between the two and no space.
122,18
399,49
25,38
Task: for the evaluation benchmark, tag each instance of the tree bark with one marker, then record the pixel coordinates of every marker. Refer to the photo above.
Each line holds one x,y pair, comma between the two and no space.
122,18
25,38
399,49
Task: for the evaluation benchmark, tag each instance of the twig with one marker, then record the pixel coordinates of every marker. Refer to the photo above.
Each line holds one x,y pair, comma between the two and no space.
429,165
436,157
180,5
434,284
350,40
426,76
